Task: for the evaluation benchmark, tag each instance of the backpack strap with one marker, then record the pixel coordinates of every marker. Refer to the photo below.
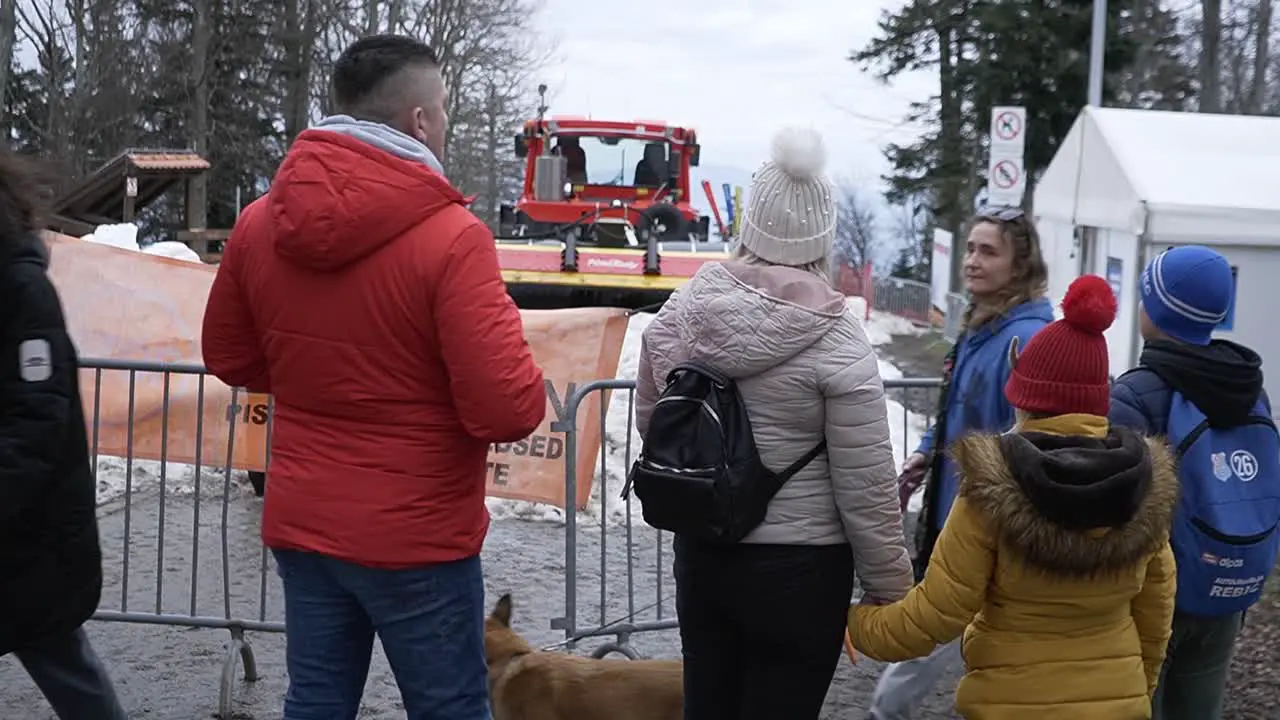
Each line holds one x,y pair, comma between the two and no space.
716,376
798,465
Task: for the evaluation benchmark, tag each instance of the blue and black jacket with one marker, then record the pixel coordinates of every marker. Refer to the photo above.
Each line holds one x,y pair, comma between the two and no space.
1223,379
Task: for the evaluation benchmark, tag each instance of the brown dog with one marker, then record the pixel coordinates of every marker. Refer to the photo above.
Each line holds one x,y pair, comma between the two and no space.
529,684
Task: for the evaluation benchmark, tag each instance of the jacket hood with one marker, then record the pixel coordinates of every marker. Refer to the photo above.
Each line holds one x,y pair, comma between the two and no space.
20,237
1223,379
24,247
344,191
1072,504
744,319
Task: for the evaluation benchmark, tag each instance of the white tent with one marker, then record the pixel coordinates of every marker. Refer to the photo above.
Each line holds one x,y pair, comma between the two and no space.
1126,184
1197,176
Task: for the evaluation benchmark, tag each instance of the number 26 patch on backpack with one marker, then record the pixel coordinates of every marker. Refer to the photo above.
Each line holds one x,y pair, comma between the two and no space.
1225,534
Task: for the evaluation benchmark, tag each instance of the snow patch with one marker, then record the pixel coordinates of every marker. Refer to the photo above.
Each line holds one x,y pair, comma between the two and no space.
125,237
173,249
121,235
117,478
883,326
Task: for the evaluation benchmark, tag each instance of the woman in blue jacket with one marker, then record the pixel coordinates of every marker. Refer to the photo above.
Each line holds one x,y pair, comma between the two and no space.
1006,278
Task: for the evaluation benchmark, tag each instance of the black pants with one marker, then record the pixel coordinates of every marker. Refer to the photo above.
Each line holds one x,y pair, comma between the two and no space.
762,627
72,678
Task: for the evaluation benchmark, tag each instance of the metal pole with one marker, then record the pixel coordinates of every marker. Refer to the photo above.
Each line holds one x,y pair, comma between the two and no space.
1097,51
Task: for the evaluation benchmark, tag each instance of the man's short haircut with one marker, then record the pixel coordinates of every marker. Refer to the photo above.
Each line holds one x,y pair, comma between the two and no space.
369,82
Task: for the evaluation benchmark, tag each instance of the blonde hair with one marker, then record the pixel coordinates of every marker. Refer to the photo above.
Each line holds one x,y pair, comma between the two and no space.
1030,271
1022,417
820,268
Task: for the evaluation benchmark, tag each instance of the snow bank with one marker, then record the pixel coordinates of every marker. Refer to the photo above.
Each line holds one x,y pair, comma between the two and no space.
905,429
173,249
117,478
881,326
125,236
122,235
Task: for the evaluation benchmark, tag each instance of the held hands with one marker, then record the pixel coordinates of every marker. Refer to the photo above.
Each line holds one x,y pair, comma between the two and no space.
869,600
912,476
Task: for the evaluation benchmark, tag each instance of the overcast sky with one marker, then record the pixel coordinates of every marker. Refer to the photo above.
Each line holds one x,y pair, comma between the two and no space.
736,70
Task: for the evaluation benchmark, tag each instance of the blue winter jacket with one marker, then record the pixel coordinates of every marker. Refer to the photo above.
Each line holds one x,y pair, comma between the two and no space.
976,401
1223,379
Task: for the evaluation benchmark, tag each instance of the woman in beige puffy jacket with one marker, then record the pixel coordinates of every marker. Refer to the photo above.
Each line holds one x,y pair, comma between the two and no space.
762,622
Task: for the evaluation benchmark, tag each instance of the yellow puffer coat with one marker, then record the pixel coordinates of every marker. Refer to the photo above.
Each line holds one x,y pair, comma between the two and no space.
1055,565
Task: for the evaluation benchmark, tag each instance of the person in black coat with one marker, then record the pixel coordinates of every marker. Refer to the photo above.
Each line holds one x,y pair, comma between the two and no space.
50,557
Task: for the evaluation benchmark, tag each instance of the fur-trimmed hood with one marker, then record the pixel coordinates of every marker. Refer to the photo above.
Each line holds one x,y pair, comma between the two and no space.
1072,504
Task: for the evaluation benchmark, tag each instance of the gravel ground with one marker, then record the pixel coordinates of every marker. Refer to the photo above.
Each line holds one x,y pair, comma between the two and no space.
1253,687
168,673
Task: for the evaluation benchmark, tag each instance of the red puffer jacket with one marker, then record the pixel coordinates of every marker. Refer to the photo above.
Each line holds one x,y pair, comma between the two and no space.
367,299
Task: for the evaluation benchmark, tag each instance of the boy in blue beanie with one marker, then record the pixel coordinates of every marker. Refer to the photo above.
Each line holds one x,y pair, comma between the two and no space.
1206,396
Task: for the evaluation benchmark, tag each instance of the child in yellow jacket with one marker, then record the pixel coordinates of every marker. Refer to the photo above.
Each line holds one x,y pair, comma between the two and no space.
1054,562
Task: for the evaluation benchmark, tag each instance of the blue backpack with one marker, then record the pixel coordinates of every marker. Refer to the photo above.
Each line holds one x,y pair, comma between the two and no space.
1224,535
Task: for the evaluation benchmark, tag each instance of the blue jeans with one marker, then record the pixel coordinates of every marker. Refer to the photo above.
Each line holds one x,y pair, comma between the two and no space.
903,686
430,621
1193,679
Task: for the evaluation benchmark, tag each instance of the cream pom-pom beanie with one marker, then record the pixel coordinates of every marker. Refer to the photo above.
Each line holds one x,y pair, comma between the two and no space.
791,214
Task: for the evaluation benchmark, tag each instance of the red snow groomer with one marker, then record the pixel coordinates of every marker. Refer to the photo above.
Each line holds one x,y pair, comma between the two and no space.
604,216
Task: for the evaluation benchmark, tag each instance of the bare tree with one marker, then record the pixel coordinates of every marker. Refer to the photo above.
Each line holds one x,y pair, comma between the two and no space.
8,38
240,80
489,54
855,241
1210,56
1243,58
1261,55
914,239
302,28
201,38
46,30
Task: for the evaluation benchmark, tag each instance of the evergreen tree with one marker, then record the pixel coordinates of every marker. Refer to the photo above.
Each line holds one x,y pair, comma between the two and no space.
1033,53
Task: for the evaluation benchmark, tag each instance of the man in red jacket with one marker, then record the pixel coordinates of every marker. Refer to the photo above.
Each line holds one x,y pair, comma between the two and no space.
367,299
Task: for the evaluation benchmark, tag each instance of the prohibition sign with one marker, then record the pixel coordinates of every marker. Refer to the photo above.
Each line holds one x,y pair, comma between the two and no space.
1005,174
1008,126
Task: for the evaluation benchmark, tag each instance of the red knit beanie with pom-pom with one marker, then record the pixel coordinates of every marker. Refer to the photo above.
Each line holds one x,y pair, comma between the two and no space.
1064,368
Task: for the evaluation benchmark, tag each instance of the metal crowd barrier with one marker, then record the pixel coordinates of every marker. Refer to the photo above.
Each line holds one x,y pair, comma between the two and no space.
910,299
211,482
620,613
157,531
